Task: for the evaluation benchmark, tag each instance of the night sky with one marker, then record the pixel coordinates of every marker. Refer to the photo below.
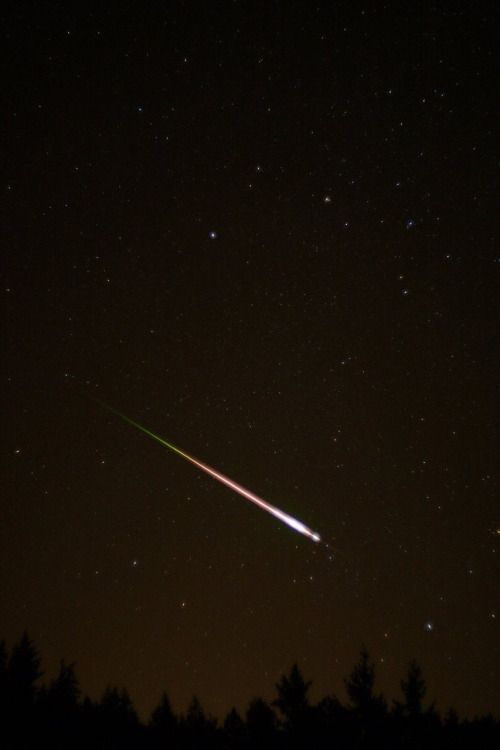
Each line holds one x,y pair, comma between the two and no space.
266,232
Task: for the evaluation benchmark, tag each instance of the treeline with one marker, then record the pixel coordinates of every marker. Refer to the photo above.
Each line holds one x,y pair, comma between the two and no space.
55,715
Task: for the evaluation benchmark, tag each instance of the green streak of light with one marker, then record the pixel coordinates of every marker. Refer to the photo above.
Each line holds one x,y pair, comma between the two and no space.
146,431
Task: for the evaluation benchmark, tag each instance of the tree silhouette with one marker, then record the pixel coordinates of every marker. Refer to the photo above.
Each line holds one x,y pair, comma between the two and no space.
413,722
368,710
414,690
21,676
198,727
59,708
23,672
331,721
261,724
234,730
163,722
117,704
64,691
117,721
359,685
293,703
53,716
292,698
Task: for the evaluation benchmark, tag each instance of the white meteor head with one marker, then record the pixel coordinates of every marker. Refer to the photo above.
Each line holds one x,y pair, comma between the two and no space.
294,523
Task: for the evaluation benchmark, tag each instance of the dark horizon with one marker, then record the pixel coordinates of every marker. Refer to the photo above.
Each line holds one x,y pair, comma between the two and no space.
57,713
216,709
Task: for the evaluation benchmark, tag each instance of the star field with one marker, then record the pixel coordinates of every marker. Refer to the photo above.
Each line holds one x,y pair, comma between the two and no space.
266,233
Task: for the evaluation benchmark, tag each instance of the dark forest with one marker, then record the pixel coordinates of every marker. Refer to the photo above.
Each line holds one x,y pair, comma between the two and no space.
56,714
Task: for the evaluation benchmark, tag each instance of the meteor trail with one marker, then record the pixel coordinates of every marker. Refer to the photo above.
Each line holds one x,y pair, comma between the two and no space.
294,523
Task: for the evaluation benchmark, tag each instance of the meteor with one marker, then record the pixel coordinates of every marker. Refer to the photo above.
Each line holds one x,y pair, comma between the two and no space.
294,523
